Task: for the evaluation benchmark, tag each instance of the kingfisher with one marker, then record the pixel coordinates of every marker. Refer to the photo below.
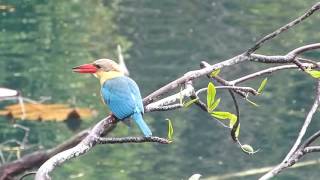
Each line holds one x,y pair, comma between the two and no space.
119,92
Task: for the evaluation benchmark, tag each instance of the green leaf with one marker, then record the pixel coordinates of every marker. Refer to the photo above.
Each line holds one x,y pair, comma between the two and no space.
215,73
187,104
247,148
223,115
251,102
170,130
262,85
211,94
215,105
314,73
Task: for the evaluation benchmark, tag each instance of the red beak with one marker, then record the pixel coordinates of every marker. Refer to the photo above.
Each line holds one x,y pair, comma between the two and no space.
85,68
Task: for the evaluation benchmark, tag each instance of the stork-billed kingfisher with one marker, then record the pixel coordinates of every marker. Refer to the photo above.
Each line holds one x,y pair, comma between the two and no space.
119,92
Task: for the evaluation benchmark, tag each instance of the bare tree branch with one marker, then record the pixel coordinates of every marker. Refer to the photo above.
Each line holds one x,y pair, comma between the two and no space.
293,156
38,157
267,71
243,89
306,124
311,149
115,140
283,28
311,139
191,76
165,107
187,92
288,58
84,146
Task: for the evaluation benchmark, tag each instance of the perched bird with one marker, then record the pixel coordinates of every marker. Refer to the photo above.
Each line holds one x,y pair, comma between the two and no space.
119,92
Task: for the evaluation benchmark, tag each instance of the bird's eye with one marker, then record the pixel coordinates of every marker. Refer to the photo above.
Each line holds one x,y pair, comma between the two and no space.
98,66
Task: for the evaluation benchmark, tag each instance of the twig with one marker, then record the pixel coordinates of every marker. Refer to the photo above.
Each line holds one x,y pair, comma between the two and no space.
305,124
26,174
191,76
237,123
26,133
310,140
243,89
246,173
288,58
116,140
293,156
199,103
161,104
311,149
222,81
283,28
267,71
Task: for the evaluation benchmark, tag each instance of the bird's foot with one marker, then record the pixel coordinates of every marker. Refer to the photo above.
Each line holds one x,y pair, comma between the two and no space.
112,119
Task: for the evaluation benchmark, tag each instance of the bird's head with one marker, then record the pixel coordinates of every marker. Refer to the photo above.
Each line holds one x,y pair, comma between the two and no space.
103,69
100,65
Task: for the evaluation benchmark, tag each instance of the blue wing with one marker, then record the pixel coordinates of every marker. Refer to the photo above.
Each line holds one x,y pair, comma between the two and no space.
123,97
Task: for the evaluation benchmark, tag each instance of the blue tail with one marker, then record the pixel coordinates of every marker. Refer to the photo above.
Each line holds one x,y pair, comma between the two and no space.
137,117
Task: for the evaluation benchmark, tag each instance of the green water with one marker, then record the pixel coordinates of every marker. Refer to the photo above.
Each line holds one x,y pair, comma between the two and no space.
40,41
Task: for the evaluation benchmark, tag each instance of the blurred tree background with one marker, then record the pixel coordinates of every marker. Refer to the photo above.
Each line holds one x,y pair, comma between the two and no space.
40,41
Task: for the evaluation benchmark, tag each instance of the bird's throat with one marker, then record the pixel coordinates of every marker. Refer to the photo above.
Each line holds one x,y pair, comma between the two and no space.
104,76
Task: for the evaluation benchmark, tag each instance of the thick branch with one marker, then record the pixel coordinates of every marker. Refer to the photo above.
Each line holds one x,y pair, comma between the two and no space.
85,145
38,157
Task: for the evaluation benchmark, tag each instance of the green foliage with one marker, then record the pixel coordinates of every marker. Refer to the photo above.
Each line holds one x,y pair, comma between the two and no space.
170,130
215,73
211,94
262,85
215,104
247,148
189,103
314,73
222,115
252,103
212,104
